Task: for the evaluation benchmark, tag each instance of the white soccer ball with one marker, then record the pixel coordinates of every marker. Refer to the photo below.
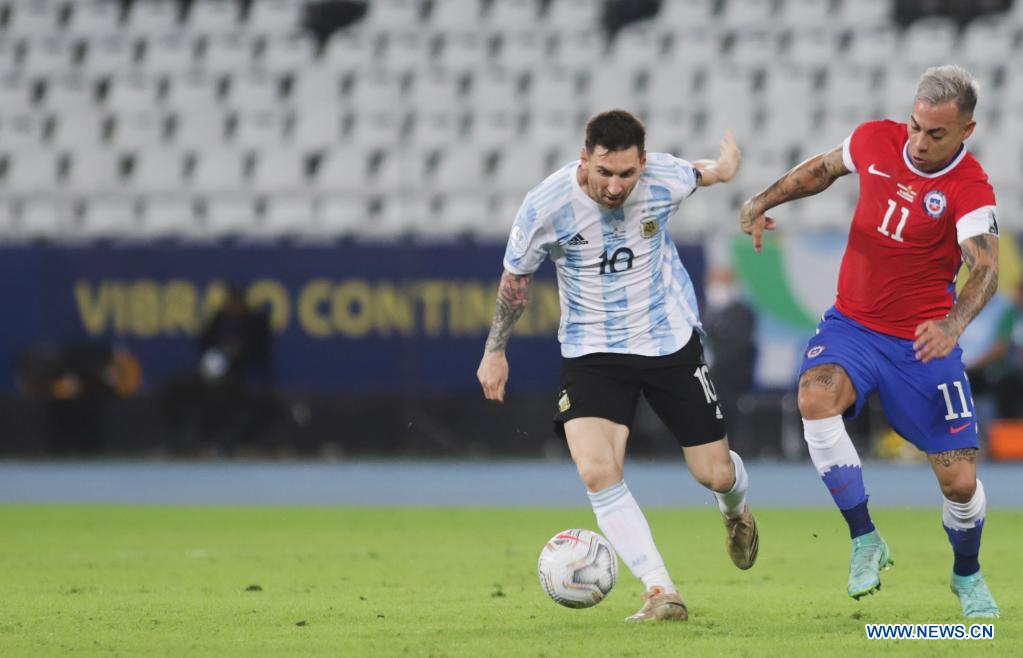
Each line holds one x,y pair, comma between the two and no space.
578,568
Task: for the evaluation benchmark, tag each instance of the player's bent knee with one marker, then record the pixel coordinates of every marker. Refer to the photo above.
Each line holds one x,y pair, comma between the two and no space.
824,392
959,489
599,475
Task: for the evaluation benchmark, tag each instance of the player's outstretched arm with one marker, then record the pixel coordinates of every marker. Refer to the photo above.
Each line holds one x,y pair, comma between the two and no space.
512,295
723,169
936,338
805,179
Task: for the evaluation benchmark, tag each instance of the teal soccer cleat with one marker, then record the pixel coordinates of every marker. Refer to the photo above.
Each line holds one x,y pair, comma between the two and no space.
870,554
974,596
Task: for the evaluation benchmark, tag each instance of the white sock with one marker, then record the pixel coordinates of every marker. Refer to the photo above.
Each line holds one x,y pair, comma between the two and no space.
964,516
732,501
624,525
829,444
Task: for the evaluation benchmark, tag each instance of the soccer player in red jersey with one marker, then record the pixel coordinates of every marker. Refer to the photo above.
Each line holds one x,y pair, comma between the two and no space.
925,206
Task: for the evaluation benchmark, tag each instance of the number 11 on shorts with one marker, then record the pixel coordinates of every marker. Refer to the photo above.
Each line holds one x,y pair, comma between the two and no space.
950,411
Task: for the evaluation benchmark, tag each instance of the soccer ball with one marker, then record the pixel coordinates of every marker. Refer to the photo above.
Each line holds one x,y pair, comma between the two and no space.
578,568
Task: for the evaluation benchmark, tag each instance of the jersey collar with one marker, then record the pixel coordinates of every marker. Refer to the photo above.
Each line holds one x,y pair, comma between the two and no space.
934,174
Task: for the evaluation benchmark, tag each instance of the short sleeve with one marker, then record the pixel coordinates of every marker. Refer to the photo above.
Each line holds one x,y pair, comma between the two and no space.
689,176
526,248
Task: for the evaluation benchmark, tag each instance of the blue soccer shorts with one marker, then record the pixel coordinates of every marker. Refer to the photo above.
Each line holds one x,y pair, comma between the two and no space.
930,404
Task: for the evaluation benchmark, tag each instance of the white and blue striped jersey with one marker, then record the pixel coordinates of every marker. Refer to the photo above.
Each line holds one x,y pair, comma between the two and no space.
622,285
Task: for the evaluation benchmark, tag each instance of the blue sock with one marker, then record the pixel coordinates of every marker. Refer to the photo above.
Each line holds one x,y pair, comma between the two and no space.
966,548
845,483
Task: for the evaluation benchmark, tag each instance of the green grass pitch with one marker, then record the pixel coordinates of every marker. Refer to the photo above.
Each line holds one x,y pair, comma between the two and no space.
282,581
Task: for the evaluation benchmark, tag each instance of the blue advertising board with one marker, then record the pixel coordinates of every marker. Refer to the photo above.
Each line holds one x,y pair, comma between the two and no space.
362,318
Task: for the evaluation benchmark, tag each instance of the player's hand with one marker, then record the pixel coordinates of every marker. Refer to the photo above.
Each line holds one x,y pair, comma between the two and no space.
935,339
493,375
753,223
729,158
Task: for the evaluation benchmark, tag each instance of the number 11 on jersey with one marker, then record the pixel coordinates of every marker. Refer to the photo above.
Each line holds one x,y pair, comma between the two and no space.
883,228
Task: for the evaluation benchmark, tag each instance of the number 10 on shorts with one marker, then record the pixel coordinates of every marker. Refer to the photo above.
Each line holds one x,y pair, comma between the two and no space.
708,386
949,409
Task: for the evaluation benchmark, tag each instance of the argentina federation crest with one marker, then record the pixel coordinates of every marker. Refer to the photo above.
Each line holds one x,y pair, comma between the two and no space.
648,227
935,204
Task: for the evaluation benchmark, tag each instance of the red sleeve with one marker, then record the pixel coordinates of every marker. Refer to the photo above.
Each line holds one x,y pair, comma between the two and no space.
973,195
857,143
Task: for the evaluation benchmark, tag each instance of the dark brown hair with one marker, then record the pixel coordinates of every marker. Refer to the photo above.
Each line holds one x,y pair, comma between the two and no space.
615,130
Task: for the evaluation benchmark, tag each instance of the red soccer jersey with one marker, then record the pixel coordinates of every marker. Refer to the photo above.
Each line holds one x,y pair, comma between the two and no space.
903,254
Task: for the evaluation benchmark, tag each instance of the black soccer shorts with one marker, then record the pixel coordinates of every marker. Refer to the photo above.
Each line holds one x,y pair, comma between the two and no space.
677,386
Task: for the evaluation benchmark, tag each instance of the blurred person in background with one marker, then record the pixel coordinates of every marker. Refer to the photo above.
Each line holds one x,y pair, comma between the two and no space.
732,352
999,370
925,206
629,325
219,406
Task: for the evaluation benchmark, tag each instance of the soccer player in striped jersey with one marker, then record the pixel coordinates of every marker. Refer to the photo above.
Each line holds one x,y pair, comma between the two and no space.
629,325
925,206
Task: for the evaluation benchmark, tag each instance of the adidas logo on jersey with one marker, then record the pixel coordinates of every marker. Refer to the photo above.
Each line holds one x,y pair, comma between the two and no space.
577,240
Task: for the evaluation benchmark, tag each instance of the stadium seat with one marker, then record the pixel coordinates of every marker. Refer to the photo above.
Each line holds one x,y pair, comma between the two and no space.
168,218
132,131
231,216
865,12
254,90
133,92
446,16
8,221
168,54
274,16
552,90
746,15
436,130
462,214
153,17
344,169
348,51
259,129
339,216
519,50
692,50
48,55
94,19
751,48
378,129
213,16
580,16
287,52
279,171
812,46
197,130
95,172
494,130
222,170
288,217
402,52
806,14
691,15
23,132
33,19
575,49
397,171
106,56
871,44
316,128
45,219
376,91
31,172
851,90
669,131
987,40
69,93
518,15
928,42
111,218
437,92
158,172
16,94
521,167
79,131
460,168
226,53
195,92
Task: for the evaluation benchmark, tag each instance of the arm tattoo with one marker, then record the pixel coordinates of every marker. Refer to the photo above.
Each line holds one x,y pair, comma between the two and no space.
805,179
947,458
981,256
512,295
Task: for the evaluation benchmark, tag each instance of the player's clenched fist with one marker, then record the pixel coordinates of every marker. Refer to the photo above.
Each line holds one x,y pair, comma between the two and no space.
493,375
935,339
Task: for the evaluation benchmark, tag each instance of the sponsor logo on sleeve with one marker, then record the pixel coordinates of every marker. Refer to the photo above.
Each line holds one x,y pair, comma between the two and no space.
992,223
518,240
